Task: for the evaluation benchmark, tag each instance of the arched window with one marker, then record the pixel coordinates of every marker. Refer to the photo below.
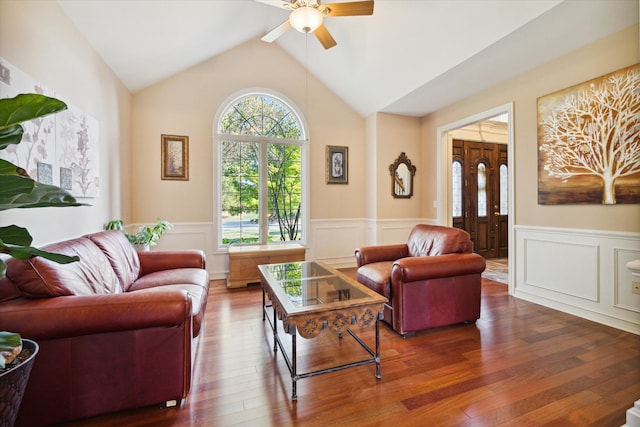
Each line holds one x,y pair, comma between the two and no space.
482,190
262,147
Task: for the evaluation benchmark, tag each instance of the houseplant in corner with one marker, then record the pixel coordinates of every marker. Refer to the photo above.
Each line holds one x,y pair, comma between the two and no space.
146,236
19,191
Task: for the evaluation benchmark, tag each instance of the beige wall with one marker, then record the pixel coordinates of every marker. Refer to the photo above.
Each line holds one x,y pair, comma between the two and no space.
396,134
612,53
371,173
187,104
50,50
38,38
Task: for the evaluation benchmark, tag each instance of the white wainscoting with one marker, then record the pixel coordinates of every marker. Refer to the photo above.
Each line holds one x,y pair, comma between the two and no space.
581,272
334,240
197,235
330,240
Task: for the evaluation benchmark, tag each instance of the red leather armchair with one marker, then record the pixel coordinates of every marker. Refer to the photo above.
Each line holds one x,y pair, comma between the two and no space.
432,280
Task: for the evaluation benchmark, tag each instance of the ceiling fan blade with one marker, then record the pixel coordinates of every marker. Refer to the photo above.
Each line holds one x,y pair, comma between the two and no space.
283,4
323,36
353,8
272,35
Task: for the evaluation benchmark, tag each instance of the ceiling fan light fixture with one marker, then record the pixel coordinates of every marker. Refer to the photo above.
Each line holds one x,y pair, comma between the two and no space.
305,19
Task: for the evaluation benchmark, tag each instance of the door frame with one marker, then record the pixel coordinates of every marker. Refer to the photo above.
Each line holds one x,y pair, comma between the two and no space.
443,179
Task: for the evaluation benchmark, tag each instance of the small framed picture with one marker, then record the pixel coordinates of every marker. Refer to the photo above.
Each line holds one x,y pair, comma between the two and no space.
45,173
175,157
66,179
337,164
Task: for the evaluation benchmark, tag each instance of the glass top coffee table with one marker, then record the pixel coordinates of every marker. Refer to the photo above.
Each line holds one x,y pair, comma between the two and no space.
309,297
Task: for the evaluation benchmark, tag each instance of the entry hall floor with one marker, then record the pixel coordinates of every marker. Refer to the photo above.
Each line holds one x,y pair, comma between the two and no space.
520,364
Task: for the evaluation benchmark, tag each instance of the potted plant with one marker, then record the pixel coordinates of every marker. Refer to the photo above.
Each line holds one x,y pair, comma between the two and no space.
16,360
146,236
18,190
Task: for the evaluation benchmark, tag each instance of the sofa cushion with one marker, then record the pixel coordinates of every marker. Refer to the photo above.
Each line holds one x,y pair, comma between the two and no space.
121,254
194,280
430,240
38,277
377,277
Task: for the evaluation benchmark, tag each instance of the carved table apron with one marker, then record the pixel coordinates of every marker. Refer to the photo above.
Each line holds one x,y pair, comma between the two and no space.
309,297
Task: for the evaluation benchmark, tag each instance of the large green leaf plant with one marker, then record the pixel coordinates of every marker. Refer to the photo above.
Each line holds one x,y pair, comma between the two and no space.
17,189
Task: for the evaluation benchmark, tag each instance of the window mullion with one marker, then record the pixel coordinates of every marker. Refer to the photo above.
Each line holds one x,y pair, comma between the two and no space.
247,202
263,202
243,138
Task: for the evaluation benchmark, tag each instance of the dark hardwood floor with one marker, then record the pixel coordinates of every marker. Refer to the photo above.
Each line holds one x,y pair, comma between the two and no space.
520,365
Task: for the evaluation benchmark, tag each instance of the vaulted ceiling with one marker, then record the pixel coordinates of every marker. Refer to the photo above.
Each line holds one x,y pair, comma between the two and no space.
410,57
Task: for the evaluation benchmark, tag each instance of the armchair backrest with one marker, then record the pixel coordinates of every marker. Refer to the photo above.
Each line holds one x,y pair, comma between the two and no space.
430,240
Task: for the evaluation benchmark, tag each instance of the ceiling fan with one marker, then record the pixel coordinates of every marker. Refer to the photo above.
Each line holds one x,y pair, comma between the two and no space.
307,15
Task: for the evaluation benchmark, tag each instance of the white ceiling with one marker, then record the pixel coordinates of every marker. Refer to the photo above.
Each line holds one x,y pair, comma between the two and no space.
410,57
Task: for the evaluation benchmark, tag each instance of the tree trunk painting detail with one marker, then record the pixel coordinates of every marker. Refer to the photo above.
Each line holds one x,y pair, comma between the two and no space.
589,141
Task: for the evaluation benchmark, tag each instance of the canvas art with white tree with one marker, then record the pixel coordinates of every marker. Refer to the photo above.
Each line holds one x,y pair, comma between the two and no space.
589,141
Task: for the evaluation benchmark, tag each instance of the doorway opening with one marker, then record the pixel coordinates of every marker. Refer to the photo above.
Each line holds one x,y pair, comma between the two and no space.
479,194
475,189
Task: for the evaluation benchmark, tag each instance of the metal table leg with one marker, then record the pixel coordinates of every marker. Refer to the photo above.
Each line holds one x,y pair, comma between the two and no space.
275,330
378,347
294,365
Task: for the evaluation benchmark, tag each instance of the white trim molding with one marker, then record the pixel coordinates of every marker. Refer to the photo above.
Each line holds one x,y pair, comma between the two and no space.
633,415
581,272
330,240
334,240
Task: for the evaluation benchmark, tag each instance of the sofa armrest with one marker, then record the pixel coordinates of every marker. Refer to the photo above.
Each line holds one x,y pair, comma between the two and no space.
379,253
70,316
414,269
151,261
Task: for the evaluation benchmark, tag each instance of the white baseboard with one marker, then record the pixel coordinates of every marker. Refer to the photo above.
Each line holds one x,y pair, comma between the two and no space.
633,415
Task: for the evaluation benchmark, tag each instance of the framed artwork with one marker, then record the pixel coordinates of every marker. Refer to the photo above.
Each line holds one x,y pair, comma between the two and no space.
54,146
589,141
45,173
175,157
337,164
66,179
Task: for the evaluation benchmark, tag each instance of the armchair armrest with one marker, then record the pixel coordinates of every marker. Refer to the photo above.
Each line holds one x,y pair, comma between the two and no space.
151,261
414,269
379,253
70,316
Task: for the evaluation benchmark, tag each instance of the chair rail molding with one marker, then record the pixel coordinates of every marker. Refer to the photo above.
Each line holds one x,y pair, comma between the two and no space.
335,240
332,240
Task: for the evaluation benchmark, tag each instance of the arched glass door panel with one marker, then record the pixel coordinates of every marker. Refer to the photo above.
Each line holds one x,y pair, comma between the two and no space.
482,190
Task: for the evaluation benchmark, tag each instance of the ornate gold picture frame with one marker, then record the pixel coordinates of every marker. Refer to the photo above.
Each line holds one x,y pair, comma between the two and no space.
175,157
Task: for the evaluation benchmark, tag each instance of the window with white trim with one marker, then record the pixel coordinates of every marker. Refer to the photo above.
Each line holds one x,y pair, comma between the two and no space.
261,152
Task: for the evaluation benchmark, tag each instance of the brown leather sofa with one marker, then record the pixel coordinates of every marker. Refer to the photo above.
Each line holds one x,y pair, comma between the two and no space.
116,330
432,280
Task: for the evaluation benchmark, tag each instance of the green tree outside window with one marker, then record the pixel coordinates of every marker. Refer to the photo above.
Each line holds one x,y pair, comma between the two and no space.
261,154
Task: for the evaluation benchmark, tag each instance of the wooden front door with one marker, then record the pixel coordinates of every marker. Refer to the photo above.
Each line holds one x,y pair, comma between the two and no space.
480,192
